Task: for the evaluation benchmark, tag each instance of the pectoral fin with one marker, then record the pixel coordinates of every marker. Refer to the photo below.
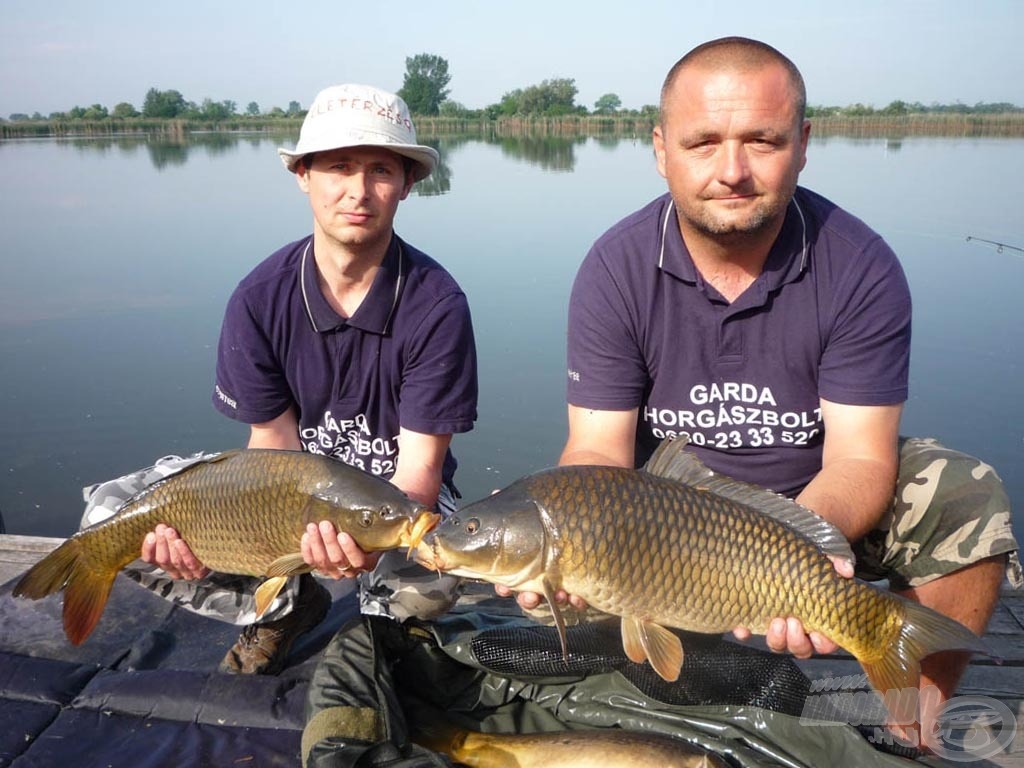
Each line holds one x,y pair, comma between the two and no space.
556,612
279,571
631,642
647,641
267,591
289,565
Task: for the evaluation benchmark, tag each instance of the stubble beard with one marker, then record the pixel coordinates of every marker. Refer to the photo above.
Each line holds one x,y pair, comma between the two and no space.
764,218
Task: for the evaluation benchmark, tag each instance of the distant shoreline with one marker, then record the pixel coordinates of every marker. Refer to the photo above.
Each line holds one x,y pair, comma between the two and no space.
1010,124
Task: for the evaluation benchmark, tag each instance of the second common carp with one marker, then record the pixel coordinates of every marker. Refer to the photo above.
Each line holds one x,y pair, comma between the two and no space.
590,748
676,545
242,512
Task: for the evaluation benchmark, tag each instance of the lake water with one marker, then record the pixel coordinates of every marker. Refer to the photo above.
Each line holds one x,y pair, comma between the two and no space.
118,257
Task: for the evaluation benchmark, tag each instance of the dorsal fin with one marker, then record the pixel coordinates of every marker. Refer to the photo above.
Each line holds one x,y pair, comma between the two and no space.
673,463
195,461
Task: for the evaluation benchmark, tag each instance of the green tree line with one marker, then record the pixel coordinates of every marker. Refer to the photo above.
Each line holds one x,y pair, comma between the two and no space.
425,90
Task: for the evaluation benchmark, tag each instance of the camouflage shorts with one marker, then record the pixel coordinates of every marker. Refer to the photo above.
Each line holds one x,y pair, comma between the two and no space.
949,510
397,587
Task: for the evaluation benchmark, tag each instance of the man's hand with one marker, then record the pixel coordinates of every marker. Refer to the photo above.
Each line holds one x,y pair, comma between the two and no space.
335,555
528,601
788,633
166,550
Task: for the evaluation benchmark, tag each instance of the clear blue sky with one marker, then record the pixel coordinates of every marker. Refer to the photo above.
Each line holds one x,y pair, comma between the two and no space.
57,54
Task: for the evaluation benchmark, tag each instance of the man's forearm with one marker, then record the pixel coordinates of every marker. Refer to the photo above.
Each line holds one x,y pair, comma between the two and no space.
852,494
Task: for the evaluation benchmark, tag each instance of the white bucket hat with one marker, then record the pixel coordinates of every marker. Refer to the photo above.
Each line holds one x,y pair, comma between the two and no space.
360,116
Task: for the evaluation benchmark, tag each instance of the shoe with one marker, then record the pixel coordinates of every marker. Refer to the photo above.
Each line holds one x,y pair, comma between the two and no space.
262,649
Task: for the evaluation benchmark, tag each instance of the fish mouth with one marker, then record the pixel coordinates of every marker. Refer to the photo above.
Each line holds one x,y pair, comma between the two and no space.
413,534
426,554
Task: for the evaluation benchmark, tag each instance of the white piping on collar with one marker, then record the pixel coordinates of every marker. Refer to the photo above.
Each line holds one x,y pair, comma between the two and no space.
803,234
394,300
302,283
664,228
398,285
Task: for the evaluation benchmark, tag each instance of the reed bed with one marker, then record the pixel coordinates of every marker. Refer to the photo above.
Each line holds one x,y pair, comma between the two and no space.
875,125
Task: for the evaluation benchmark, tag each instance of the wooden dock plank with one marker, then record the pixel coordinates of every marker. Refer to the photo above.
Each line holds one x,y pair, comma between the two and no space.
1016,609
1003,622
18,553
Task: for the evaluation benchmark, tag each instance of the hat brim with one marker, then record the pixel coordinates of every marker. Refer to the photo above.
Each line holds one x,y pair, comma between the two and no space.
426,158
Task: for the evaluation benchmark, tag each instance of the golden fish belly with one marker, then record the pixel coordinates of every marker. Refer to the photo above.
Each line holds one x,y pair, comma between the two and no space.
609,748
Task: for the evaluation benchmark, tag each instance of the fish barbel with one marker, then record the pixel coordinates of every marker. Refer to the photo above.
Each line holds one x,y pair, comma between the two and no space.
241,512
591,748
676,545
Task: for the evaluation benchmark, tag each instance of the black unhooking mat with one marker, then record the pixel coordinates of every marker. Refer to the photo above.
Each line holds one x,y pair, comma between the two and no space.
143,690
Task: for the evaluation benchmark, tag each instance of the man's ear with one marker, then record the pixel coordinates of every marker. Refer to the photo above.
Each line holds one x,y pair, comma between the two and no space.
659,149
409,181
805,135
302,176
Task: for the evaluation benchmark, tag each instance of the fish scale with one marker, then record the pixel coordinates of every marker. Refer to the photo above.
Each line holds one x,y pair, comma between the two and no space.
677,518
675,545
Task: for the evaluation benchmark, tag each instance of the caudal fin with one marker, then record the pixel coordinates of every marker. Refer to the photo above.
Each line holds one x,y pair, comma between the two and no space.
50,574
923,633
86,588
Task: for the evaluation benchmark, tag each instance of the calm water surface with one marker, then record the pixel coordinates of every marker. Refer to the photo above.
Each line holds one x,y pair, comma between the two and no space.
118,258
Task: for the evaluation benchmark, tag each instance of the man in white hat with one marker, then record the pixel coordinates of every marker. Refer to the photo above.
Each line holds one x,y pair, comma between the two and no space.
349,343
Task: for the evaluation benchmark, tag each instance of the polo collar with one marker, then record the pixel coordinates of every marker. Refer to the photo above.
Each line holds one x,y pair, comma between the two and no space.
786,261
377,308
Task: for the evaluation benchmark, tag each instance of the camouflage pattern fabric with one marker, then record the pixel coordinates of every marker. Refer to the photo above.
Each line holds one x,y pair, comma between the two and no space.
397,587
949,510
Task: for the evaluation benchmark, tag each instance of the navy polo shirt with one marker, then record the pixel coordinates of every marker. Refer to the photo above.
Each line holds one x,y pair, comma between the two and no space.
829,317
405,358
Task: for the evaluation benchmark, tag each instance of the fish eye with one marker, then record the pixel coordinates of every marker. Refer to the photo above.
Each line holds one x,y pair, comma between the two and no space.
472,525
366,518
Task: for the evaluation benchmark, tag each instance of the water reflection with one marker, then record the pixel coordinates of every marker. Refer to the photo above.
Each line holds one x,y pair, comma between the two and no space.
164,151
440,180
549,153
165,154
611,142
124,254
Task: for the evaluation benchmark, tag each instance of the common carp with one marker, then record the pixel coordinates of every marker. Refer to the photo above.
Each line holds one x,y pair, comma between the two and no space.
591,748
676,545
241,512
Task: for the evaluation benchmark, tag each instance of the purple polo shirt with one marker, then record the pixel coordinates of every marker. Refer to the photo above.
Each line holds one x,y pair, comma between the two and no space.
829,317
405,358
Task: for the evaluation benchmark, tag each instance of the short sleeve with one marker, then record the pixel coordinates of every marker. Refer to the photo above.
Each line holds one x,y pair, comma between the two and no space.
439,380
866,359
606,366
250,385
